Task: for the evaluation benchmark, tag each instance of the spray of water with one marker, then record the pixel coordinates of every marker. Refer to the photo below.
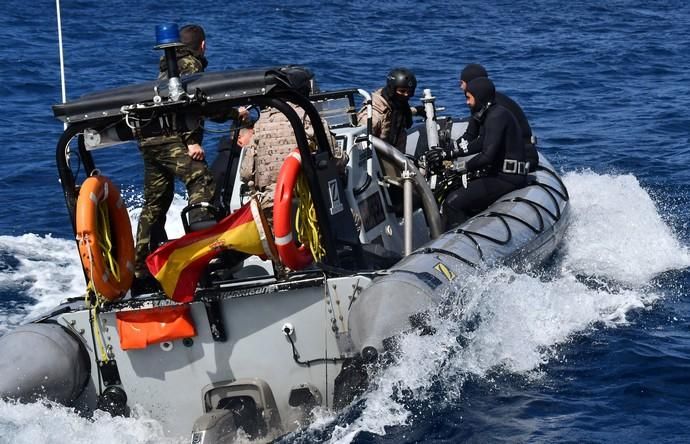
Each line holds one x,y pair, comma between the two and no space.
43,271
618,232
52,423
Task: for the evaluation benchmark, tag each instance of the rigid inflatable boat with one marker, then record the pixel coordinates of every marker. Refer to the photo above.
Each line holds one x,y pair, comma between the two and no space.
259,345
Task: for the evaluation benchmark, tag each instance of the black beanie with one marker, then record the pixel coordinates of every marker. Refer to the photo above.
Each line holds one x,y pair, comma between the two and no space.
473,71
482,89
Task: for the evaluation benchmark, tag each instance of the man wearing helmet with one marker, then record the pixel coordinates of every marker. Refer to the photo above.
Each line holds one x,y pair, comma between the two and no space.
392,115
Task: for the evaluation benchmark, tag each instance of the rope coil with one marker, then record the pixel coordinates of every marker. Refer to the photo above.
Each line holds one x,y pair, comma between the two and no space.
306,223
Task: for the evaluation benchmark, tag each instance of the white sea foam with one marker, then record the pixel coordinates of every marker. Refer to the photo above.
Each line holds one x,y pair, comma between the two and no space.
617,231
47,271
521,317
51,423
516,320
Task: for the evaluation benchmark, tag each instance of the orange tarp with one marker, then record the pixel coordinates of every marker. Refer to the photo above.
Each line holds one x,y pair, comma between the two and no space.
140,328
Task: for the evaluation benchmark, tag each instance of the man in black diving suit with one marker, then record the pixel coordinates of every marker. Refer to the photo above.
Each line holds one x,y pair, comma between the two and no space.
500,165
473,71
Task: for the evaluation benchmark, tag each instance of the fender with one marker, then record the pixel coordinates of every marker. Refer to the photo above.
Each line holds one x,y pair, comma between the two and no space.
92,237
291,255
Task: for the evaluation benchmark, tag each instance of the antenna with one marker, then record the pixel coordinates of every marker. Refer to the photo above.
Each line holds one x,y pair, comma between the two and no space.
62,58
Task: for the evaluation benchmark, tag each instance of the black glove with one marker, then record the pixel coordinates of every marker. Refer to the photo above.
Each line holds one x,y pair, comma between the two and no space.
420,111
434,158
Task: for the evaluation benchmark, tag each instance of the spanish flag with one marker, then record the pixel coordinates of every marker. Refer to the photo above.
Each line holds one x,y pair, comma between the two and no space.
178,264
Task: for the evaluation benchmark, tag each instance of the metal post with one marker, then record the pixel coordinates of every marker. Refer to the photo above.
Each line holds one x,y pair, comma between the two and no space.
431,128
62,57
407,178
429,203
168,39
370,113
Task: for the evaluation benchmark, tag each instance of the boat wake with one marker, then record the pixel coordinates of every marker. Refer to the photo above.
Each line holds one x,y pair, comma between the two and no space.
38,422
618,233
36,274
495,323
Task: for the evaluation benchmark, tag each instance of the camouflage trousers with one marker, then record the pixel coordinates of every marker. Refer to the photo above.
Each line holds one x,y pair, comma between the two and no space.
162,163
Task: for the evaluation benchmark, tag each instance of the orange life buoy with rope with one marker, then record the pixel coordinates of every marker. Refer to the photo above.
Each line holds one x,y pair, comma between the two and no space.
102,217
291,255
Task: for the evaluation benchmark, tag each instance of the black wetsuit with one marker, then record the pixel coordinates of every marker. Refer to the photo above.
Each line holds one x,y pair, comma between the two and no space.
499,139
472,130
513,107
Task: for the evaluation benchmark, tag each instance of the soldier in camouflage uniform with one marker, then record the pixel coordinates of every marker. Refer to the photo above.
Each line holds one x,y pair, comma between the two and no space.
167,157
274,139
190,58
391,117
392,114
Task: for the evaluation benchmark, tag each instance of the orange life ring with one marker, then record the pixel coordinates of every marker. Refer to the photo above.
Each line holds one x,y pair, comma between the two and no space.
94,191
290,254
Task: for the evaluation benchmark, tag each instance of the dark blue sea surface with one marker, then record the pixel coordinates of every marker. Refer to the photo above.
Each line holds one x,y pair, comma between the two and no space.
594,349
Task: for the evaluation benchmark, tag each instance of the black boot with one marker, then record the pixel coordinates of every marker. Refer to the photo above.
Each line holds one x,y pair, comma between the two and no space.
144,285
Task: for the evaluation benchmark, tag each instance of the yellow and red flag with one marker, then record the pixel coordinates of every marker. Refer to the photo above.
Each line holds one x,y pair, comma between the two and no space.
178,264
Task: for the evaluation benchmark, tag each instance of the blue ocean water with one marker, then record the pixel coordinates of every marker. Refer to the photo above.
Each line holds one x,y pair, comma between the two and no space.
594,349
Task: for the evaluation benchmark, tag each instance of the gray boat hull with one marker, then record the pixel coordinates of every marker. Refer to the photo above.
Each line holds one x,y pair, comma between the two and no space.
42,361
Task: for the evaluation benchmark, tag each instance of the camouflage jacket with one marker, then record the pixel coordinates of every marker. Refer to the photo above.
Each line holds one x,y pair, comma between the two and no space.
386,123
188,62
273,141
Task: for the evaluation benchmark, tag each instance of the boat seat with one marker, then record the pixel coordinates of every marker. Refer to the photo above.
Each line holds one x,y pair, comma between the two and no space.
201,225
379,257
211,218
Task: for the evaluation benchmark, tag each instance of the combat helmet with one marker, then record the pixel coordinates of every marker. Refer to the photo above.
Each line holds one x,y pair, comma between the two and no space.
401,78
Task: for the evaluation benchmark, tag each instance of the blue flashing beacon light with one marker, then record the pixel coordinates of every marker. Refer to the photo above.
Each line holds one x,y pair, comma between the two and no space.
167,36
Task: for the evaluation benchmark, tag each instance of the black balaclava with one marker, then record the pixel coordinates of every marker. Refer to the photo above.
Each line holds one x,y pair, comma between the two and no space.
392,97
484,93
398,103
473,71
